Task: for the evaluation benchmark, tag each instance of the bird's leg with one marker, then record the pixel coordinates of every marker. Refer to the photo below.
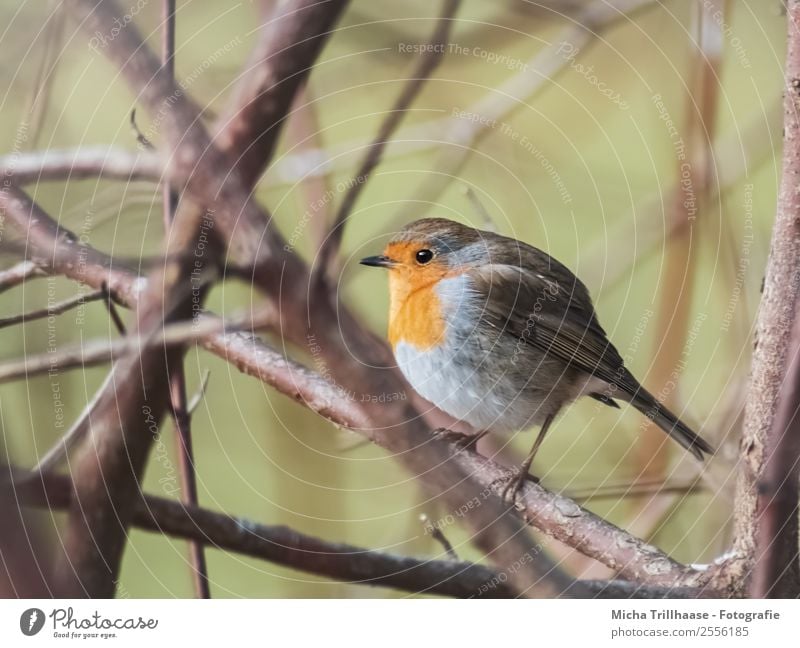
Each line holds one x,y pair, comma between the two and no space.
511,489
461,439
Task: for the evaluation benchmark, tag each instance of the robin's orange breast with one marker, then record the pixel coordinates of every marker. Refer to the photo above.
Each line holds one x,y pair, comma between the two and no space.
415,315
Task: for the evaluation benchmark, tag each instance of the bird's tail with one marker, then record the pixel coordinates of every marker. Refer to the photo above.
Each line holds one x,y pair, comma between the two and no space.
648,405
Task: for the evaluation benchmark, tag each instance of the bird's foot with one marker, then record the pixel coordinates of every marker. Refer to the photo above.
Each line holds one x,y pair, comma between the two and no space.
514,483
463,440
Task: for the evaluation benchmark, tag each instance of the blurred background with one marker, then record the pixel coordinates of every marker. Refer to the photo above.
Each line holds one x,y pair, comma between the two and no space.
641,150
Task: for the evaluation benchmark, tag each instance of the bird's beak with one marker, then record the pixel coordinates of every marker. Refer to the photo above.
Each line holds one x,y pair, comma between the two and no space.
380,261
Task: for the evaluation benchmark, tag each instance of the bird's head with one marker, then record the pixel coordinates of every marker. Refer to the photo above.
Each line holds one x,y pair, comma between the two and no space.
418,257
428,250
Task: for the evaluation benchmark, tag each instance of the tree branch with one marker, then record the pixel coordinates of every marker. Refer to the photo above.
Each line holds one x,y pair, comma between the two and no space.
77,164
396,426
95,352
284,546
257,252
429,60
20,272
777,570
462,137
177,376
93,563
586,21
557,516
288,45
55,309
776,317
611,545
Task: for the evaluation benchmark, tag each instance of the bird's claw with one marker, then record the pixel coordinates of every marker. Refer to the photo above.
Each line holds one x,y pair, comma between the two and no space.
514,484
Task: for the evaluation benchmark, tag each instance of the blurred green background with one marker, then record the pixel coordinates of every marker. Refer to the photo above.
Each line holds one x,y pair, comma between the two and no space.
607,214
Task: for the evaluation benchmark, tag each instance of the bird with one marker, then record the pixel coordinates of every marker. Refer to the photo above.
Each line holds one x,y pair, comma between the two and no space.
500,335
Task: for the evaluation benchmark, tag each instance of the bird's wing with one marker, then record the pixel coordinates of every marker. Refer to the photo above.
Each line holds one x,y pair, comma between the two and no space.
542,303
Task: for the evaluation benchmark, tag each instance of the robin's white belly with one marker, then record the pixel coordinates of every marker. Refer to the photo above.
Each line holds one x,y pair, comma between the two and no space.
478,375
464,386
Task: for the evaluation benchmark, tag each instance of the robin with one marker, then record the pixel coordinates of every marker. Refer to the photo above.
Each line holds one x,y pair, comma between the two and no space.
500,335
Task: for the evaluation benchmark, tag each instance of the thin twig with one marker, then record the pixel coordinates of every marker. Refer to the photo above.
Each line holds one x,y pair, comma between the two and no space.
24,547
20,273
111,307
437,534
76,164
480,209
428,61
141,140
56,309
177,374
635,489
200,394
77,431
97,352
48,63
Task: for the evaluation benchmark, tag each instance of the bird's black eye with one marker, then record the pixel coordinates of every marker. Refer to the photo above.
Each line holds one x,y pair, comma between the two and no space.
423,256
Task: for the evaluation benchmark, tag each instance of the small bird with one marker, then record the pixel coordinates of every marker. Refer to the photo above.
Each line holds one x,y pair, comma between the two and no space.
500,335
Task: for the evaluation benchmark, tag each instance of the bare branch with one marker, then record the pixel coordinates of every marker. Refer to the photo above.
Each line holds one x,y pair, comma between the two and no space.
200,168
198,396
253,357
177,377
438,535
463,136
396,426
56,309
97,162
59,251
108,473
287,47
777,566
428,61
19,273
557,516
96,352
25,566
637,489
776,317
284,546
